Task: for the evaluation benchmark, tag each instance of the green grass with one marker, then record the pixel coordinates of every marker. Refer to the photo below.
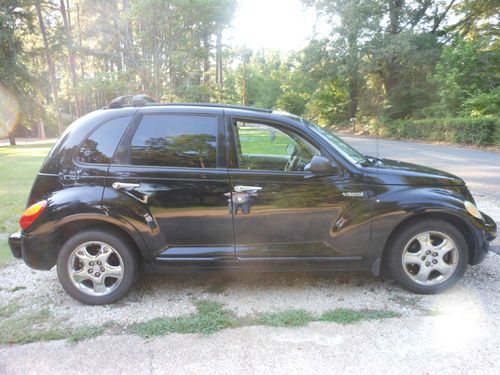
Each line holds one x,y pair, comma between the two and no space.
348,316
23,327
257,141
211,317
18,168
6,311
27,327
18,326
218,288
85,333
286,318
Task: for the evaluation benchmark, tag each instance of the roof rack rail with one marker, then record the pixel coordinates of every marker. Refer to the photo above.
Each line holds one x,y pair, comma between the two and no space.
217,105
145,100
131,100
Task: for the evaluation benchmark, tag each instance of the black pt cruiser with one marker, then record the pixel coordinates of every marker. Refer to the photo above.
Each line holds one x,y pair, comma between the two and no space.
184,186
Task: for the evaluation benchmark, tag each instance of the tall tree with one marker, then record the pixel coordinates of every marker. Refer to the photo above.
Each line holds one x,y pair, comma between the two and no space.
353,21
50,64
71,55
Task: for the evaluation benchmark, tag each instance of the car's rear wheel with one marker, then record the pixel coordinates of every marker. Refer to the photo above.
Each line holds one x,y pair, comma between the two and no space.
428,257
97,267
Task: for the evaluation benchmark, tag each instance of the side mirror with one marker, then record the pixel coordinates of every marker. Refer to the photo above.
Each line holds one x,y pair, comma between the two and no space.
321,165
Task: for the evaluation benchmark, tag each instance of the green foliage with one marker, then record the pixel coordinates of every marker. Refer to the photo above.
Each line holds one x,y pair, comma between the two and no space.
397,59
483,104
467,76
328,103
479,131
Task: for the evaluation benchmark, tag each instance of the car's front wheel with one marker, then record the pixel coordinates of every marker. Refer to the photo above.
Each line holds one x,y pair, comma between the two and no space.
97,267
428,257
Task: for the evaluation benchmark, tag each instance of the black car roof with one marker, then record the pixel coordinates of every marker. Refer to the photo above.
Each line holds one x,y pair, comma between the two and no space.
147,104
229,109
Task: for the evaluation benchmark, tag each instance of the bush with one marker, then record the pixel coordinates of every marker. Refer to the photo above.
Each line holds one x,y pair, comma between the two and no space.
479,131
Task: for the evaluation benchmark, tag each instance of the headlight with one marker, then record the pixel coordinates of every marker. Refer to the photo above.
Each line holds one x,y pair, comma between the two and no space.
472,209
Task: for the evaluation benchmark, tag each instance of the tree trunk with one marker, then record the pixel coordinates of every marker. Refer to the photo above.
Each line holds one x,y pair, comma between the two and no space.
392,66
71,56
353,98
41,130
82,66
353,74
12,139
218,64
50,65
244,96
395,7
206,58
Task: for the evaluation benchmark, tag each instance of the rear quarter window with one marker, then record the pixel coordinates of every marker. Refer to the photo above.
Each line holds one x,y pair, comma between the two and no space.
100,145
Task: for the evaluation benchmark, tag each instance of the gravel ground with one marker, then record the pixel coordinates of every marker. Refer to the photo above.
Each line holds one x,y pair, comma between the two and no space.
454,332
247,293
173,295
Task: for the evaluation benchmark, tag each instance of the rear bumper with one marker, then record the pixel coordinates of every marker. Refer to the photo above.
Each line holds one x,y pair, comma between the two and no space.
34,250
15,245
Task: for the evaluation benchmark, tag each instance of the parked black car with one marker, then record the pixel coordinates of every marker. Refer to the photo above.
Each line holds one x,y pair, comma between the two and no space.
178,186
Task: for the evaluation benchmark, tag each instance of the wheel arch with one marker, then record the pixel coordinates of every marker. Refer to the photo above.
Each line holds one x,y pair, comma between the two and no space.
73,225
455,220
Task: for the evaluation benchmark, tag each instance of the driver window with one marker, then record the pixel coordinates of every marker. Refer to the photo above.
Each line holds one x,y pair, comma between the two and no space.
264,147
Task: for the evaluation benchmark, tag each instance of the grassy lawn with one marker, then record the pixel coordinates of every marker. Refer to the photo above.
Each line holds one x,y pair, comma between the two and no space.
257,141
18,168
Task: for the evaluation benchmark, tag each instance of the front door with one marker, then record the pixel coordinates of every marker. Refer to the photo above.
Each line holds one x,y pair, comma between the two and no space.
280,210
172,171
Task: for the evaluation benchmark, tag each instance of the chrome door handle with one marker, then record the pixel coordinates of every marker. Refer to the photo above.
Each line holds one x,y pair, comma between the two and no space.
124,185
242,188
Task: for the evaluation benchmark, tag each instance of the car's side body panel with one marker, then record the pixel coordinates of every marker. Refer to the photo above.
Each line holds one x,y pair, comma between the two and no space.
181,217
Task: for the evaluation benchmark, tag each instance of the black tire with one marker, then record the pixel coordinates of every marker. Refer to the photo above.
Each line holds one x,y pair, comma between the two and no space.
395,255
129,263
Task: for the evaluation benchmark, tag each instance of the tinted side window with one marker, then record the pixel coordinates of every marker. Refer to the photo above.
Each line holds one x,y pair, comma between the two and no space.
101,144
176,141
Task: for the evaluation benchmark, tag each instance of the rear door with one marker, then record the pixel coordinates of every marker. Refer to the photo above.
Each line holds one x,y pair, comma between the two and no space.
170,164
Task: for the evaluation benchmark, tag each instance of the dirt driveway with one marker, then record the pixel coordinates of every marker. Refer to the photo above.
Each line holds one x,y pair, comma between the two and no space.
455,332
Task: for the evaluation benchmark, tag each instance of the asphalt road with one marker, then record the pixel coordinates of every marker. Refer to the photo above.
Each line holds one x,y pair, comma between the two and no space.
480,169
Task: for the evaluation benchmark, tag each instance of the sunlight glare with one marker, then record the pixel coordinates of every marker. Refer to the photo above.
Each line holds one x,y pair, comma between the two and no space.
9,111
283,25
458,323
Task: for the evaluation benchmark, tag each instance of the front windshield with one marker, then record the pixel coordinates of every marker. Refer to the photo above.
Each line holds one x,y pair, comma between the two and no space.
344,148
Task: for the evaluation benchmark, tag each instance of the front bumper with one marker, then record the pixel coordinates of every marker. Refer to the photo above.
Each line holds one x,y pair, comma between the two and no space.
34,250
490,228
486,233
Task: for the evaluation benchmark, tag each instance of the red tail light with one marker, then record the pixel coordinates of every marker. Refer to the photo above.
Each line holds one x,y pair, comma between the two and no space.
31,214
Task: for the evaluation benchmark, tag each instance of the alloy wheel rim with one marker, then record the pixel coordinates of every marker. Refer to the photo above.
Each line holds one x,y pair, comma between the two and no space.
95,268
430,258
